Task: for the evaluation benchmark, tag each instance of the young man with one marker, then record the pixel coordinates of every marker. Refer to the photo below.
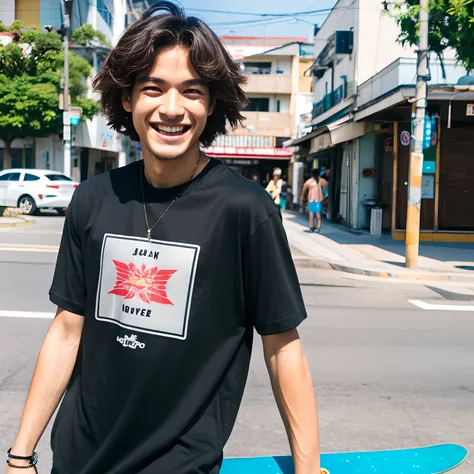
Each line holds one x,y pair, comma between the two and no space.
313,193
161,278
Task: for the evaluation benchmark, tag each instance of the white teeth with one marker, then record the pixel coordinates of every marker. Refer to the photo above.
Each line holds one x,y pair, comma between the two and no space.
170,129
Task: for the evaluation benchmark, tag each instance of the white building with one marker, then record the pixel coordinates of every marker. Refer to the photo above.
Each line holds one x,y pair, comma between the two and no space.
364,87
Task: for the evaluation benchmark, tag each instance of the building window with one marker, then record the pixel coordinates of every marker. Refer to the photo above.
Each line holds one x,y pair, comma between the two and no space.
104,12
257,68
278,105
258,105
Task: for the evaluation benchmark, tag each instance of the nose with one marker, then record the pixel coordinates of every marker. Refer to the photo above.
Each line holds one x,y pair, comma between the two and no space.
171,105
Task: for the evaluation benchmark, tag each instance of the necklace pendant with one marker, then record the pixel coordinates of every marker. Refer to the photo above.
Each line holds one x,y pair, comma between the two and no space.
149,235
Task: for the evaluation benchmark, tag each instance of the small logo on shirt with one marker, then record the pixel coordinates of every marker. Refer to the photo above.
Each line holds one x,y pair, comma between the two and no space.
131,342
148,284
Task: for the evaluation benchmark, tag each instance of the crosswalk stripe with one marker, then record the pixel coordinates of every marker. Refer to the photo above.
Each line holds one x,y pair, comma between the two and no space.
26,314
441,307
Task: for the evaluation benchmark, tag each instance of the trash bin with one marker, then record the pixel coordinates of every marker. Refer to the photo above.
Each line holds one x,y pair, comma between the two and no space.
376,221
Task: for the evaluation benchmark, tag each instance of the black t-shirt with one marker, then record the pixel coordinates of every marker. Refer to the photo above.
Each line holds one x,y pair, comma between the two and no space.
168,328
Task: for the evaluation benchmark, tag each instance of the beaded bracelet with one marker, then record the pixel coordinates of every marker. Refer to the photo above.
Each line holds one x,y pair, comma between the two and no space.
33,460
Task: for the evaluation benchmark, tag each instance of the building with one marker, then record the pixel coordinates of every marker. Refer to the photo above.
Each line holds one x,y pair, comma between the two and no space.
364,89
276,89
96,148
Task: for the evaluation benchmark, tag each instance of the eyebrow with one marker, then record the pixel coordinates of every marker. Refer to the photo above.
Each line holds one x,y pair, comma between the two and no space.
188,83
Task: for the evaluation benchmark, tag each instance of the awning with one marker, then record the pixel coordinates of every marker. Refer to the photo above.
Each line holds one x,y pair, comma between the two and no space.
317,133
257,153
338,133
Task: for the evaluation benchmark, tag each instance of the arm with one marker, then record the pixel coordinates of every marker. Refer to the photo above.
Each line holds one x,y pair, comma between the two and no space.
277,189
294,394
304,192
53,371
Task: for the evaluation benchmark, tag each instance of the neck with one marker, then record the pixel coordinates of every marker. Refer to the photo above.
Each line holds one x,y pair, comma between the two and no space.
171,173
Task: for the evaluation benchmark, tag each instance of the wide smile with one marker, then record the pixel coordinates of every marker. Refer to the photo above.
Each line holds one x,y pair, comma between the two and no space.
168,132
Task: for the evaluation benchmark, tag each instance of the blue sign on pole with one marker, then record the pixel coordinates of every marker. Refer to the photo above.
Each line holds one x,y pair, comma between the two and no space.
427,132
74,121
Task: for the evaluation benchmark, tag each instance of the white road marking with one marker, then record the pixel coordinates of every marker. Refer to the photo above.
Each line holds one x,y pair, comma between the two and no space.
26,248
26,314
441,307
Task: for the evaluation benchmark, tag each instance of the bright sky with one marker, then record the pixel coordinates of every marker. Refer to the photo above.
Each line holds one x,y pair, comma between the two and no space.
231,24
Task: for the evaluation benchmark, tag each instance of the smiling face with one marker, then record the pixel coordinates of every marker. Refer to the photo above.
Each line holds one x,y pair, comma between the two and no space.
170,106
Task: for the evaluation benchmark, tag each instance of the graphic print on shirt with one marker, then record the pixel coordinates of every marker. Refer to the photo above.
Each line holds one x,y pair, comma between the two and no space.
146,288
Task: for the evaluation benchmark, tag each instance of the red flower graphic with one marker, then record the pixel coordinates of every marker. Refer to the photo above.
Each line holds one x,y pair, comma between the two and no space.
149,285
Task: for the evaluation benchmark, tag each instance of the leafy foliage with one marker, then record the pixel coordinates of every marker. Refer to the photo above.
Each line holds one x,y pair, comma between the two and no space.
451,25
87,36
31,69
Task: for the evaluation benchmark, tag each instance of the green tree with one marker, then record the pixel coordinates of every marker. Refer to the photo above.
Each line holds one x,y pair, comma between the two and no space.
451,26
30,83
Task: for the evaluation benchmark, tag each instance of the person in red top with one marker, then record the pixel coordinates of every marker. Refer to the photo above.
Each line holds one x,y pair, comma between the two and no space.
313,193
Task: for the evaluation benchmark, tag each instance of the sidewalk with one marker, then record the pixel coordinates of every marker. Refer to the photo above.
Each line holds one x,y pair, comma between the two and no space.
6,222
360,253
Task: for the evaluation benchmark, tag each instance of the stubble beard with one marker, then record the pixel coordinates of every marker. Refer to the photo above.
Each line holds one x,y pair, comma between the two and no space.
164,157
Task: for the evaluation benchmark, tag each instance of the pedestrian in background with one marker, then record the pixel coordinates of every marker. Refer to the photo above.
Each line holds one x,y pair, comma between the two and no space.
324,181
312,193
274,187
162,278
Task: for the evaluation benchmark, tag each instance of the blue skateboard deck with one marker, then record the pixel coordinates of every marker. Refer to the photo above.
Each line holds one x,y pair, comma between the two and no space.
425,460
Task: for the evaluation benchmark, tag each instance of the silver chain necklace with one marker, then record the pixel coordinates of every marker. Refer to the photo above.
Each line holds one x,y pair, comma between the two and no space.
142,172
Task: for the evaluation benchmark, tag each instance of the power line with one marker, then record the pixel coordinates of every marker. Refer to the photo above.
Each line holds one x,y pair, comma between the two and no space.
227,12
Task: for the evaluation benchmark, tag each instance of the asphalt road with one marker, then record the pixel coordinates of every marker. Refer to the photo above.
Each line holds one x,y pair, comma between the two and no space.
387,374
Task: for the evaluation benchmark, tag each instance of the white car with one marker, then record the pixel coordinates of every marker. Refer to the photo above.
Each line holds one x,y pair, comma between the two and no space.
31,190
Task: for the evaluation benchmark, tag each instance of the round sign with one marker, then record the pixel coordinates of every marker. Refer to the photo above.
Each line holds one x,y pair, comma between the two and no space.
405,138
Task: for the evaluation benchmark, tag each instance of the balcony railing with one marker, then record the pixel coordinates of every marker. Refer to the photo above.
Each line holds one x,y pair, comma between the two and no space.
330,100
402,72
268,83
276,124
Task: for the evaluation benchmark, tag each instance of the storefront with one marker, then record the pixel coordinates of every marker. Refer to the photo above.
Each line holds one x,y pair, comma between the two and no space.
447,203
256,163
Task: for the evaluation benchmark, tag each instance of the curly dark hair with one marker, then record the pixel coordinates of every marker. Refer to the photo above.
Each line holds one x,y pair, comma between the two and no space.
165,25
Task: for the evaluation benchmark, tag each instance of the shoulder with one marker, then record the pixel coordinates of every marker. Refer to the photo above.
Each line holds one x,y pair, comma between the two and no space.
243,196
104,184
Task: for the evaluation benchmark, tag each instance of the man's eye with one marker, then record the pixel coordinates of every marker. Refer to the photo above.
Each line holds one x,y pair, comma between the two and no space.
193,91
151,89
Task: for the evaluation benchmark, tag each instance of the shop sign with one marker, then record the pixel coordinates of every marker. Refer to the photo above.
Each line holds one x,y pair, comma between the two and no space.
237,162
388,144
249,151
405,138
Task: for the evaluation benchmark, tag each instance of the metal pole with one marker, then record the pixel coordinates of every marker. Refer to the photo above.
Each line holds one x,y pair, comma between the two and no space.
416,157
66,121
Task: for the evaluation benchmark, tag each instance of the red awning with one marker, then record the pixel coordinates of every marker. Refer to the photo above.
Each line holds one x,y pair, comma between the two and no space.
258,153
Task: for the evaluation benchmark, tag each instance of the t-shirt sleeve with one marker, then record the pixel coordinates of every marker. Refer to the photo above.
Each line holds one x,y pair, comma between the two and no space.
68,288
273,298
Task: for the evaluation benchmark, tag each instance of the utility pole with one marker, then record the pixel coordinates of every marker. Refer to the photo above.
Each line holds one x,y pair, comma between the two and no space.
412,240
67,5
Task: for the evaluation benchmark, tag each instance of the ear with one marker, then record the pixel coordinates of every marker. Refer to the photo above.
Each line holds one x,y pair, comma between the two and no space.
126,101
212,106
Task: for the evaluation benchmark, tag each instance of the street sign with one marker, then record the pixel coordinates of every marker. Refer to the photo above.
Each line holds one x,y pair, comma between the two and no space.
66,132
405,138
427,132
75,115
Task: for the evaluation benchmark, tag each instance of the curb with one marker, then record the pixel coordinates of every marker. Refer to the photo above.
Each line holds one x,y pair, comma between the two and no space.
24,223
403,276
308,262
